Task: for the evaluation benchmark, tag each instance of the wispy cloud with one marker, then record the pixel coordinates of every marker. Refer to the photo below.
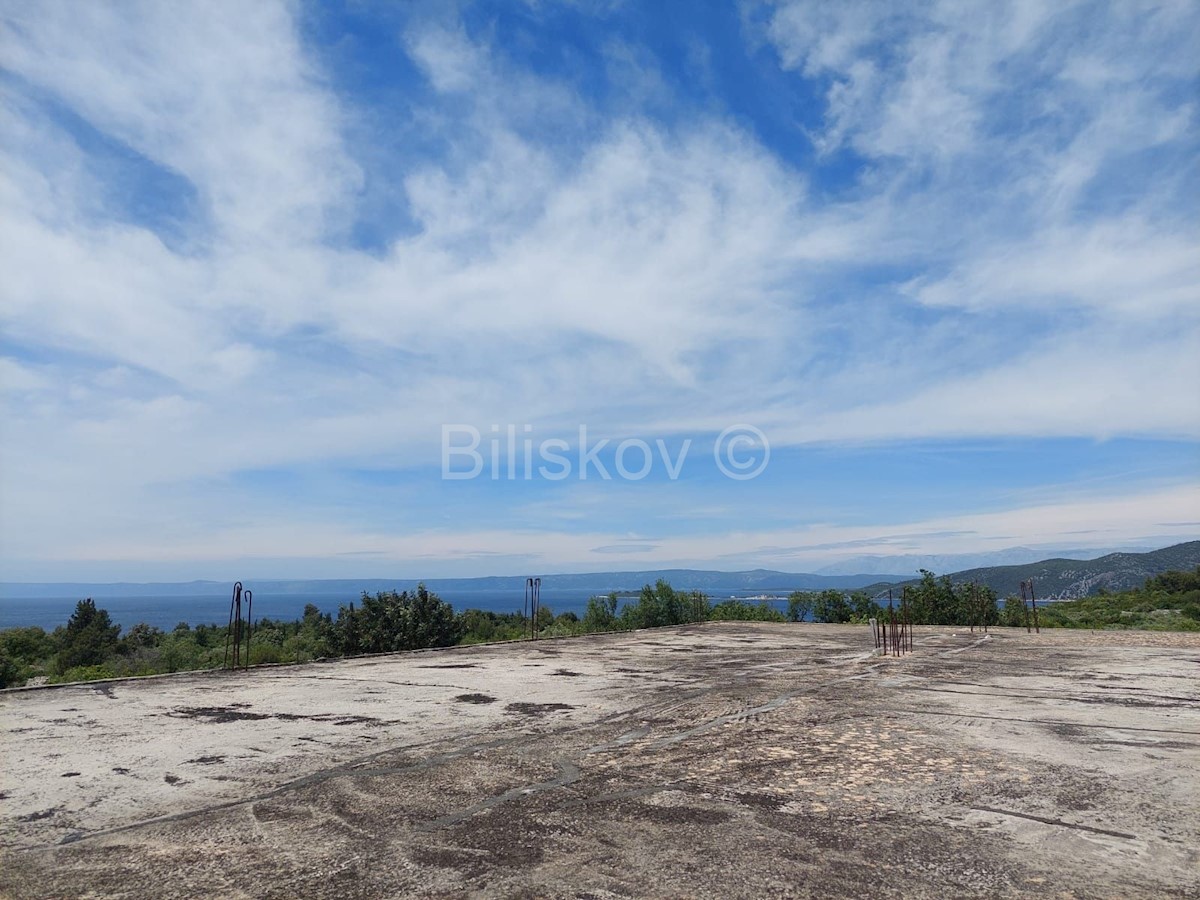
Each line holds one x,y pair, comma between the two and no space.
985,231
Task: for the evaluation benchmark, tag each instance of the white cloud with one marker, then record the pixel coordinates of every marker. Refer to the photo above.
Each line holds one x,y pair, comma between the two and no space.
1125,266
220,92
1079,521
560,266
448,58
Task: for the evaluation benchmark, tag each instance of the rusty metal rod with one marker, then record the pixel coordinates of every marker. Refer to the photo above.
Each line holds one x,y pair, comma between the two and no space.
249,595
235,602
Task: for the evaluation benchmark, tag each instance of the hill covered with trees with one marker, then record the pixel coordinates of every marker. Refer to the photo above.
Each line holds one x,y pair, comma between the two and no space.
1065,579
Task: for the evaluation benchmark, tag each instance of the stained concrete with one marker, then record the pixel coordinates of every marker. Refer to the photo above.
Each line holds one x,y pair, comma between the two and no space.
721,760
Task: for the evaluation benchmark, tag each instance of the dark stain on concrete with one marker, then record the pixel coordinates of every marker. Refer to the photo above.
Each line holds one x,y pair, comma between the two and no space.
217,715
38,816
449,666
536,709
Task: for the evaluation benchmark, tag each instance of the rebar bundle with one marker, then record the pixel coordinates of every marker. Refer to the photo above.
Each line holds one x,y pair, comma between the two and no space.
893,635
533,603
239,630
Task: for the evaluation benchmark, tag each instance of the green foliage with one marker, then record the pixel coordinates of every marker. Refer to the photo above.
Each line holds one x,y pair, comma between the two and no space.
88,647
741,611
24,652
88,640
862,608
800,605
12,673
831,606
83,673
1014,613
480,626
1168,602
396,621
932,600
26,644
663,605
1116,572
140,637
939,601
1175,582
601,614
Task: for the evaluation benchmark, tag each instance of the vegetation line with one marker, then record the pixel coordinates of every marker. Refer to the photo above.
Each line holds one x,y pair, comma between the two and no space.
90,647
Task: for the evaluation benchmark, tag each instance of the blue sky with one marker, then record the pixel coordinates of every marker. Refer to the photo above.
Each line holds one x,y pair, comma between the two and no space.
945,257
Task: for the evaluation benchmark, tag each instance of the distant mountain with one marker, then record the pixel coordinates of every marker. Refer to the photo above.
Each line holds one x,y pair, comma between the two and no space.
1053,578
954,562
599,582
1066,579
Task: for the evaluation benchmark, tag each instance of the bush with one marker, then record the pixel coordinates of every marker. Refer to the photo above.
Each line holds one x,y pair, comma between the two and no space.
88,640
83,673
832,606
800,605
1014,613
601,614
396,621
741,611
12,673
663,605
261,654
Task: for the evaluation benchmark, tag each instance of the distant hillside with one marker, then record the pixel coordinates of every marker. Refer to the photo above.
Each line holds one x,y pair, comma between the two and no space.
885,566
1066,579
1058,578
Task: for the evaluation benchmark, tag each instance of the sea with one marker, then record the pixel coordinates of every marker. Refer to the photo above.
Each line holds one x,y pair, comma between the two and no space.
168,612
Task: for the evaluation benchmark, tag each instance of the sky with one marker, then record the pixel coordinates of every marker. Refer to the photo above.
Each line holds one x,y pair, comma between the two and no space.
366,289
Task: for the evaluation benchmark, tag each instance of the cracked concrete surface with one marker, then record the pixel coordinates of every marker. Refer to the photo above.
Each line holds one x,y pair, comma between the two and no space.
729,759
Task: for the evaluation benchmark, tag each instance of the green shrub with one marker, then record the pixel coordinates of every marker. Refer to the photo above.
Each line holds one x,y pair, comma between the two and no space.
12,673
83,673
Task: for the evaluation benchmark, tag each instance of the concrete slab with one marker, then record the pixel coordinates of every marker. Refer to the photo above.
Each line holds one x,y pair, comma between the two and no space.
724,760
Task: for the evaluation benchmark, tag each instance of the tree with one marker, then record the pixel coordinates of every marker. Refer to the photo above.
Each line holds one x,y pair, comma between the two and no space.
89,638
601,614
396,621
831,606
29,647
1175,582
1014,613
655,606
141,636
735,610
976,605
12,673
800,606
346,637
863,607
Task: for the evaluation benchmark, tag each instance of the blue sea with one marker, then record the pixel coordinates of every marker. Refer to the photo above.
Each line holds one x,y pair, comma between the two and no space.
167,612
